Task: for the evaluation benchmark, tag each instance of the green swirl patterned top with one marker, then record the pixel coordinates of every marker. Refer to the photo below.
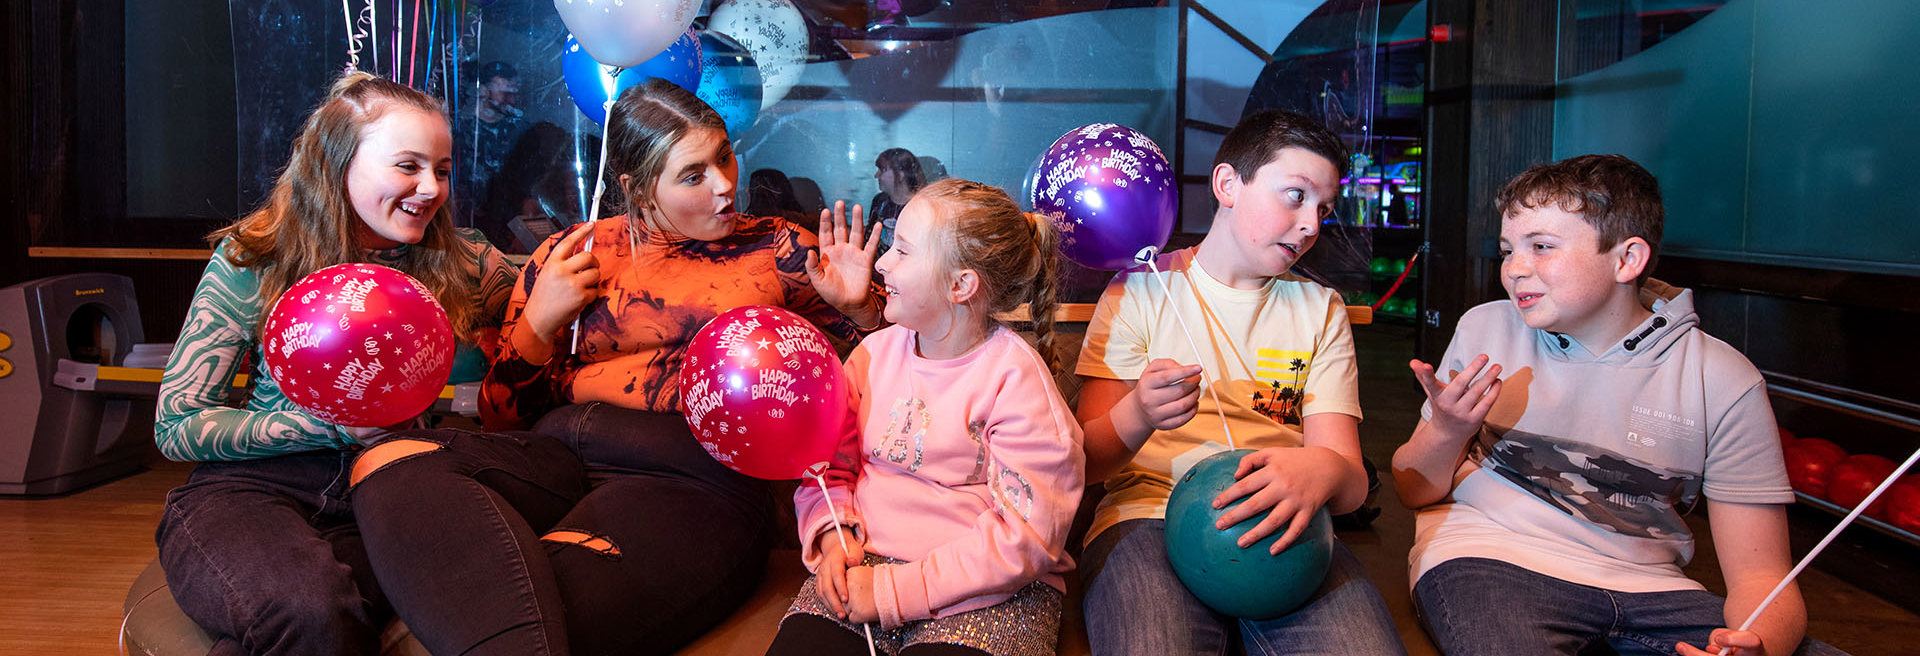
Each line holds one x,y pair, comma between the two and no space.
194,423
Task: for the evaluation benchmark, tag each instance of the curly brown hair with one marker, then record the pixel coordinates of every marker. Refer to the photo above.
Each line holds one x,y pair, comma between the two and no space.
1614,194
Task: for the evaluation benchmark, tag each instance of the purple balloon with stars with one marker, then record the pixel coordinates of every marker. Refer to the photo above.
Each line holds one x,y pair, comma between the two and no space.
1110,190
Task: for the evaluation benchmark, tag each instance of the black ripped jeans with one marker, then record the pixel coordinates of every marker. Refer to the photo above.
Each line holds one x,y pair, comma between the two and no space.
453,535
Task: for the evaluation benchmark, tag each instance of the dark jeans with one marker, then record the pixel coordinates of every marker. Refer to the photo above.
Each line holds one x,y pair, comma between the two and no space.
1135,604
454,536
265,555
1483,606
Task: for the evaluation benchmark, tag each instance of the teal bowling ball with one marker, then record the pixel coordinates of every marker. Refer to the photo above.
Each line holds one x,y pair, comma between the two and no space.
1378,265
1247,583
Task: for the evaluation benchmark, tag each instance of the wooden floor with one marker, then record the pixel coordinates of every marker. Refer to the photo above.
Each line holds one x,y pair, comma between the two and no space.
65,563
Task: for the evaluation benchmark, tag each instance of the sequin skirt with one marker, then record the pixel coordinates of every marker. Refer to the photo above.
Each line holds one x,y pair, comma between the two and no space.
1028,624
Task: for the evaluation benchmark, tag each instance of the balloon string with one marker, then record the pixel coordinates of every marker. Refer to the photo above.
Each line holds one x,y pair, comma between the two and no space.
599,188
397,20
1147,255
1808,559
433,26
413,48
353,39
824,494
372,15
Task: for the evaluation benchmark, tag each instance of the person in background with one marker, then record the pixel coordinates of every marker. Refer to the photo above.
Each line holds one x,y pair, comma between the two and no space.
770,193
483,137
899,175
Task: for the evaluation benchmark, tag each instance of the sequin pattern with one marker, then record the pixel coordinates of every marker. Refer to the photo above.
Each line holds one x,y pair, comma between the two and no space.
906,426
1028,624
977,431
1012,491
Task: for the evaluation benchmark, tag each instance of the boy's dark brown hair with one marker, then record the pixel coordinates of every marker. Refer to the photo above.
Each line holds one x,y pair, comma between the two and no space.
1616,196
1258,137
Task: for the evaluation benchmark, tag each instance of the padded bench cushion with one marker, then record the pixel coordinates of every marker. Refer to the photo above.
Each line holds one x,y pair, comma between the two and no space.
155,625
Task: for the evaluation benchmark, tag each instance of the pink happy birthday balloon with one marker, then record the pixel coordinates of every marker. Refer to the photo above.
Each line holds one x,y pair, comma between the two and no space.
359,345
763,391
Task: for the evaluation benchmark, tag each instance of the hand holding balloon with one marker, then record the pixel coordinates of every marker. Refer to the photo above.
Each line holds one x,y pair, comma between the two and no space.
1168,393
831,576
566,283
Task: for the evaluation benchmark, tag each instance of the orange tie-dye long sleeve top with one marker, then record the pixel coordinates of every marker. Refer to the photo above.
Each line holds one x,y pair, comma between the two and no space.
652,302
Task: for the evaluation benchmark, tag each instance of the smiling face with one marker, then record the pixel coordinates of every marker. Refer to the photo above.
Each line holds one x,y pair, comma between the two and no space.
1273,217
1559,278
398,176
694,195
919,288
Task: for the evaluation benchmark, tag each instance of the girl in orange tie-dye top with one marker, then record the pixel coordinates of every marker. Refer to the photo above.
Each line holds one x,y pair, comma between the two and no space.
653,542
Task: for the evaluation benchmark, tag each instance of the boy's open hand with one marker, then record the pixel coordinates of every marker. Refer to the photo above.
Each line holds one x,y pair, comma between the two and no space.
831,580
1461,405
1737,643
1168,393
1289,481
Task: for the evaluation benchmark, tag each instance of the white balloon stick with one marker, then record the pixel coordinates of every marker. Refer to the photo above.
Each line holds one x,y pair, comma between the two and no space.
599,188
837,532
1146,256
1808,559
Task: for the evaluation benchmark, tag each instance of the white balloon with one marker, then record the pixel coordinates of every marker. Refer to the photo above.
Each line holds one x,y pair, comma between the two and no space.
776,34
626,33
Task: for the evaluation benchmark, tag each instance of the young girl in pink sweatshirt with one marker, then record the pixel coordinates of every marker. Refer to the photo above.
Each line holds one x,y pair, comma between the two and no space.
956,488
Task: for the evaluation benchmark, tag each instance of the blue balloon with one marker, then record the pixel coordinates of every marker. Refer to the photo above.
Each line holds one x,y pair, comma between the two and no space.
1248,583
590,86
729,82
1110,190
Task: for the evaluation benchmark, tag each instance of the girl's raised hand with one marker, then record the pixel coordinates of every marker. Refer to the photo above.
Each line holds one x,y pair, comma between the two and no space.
843,267
567,281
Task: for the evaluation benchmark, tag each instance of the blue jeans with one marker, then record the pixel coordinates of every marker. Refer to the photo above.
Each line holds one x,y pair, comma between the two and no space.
1135,604
454,536
1484,606
265,555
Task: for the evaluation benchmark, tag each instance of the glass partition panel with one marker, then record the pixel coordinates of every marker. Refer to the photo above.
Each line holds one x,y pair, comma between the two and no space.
975,89
1779,130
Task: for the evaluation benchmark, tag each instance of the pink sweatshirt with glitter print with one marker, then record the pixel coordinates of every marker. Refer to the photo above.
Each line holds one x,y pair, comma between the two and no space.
968,469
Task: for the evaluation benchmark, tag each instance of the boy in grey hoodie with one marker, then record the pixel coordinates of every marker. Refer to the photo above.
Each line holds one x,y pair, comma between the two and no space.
1569,427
